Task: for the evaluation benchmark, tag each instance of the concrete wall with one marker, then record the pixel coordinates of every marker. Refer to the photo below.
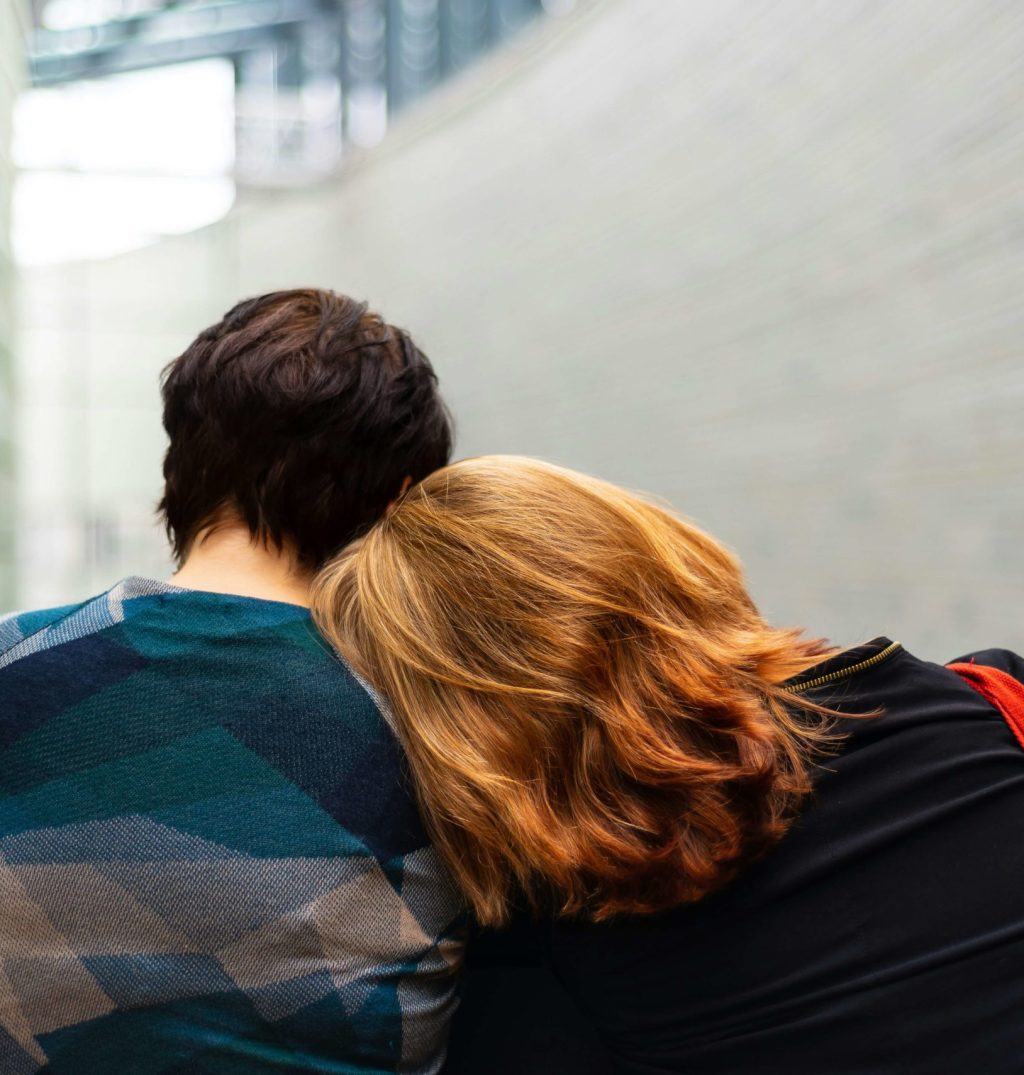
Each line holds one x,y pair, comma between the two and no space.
761,258
13,23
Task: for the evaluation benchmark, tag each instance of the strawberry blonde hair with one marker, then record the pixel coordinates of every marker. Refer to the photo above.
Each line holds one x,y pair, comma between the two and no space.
593,709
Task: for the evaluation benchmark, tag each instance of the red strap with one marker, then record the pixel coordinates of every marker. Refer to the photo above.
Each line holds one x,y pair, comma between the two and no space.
998,688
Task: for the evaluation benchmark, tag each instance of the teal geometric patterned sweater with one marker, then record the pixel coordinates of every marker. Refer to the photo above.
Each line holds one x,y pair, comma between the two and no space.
210,859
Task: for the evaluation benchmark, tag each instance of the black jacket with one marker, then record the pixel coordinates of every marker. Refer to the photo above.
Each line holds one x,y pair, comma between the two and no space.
883,936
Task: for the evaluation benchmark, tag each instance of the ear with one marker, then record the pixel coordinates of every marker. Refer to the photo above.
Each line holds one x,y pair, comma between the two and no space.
406,485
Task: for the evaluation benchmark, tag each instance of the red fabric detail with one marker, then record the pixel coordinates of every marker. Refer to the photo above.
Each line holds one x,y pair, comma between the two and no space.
998,688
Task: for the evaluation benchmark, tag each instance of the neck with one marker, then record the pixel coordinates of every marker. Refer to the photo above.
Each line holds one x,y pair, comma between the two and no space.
228,560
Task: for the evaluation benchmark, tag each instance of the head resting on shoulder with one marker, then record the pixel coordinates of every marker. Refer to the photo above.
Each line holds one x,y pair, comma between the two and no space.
591,703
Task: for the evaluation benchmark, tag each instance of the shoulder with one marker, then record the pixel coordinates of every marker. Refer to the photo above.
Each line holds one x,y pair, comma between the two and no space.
18,627
1003,659
24,634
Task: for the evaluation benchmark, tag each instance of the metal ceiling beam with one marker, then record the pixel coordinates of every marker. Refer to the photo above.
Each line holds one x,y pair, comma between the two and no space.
172,35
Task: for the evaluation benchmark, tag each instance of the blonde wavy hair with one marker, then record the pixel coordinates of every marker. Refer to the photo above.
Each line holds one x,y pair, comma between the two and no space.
592,707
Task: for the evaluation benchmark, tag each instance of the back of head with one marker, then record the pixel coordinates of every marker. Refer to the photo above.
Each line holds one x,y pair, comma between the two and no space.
300,413
592,706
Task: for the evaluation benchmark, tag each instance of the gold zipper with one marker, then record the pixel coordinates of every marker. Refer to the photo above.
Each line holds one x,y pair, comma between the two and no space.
842,673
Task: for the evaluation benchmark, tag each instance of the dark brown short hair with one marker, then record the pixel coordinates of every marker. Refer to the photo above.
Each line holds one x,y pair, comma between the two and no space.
301,413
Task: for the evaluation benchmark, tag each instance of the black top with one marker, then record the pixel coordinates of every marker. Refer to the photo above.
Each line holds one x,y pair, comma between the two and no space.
884,934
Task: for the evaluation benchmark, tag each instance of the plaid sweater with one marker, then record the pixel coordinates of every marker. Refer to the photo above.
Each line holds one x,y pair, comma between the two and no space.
209,857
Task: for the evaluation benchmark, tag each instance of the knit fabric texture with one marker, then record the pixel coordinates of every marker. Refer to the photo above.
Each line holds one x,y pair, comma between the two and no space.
210,857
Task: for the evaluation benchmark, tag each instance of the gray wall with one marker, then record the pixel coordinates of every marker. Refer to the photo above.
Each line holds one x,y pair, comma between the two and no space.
13,22
761,258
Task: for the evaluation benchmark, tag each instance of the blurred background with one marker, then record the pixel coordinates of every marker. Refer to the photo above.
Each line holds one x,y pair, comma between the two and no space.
763,258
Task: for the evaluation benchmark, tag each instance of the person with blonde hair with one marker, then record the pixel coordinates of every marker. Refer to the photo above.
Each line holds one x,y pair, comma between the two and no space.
738,848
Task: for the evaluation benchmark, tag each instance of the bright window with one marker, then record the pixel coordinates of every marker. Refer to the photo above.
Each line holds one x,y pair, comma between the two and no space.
113,164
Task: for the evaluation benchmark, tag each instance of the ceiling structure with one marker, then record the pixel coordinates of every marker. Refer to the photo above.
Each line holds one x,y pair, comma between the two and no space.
310,75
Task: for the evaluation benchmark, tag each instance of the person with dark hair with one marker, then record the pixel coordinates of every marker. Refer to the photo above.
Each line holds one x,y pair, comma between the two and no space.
296,420
210,858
